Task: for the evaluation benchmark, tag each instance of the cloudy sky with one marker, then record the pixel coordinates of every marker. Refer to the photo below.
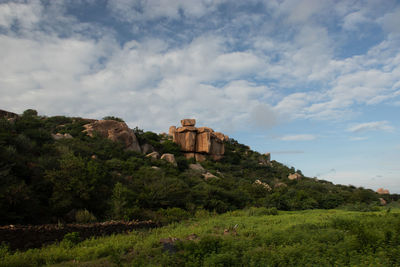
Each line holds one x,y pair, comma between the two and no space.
316,83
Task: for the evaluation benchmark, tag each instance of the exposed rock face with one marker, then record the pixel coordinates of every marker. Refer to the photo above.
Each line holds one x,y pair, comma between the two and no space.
382,191
294,176
382,201
115,131
265,159
198,142
170,158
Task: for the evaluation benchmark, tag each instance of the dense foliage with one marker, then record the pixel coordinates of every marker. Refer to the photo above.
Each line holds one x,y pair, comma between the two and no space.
46,180
252,237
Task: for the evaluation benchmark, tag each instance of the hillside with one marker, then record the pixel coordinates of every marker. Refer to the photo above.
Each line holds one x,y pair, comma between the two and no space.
53,171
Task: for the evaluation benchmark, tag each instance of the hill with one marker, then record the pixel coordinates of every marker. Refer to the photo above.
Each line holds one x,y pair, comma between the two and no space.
53,171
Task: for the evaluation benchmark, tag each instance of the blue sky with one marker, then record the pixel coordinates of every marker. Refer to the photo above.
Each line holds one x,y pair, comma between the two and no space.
316,83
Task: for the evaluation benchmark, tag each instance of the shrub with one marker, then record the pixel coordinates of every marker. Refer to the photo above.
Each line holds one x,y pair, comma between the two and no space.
71,239
84,216
253,211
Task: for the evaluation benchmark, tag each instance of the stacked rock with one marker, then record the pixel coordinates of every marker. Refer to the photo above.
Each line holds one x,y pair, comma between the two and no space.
198,142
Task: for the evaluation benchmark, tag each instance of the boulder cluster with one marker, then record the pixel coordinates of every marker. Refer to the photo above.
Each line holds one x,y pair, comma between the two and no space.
198,142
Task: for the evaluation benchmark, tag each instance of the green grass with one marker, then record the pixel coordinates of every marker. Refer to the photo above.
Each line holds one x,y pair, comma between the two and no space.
240,238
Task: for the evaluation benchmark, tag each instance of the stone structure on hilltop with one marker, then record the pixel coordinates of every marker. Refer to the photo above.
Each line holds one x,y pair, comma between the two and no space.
198,142
382,191
115,131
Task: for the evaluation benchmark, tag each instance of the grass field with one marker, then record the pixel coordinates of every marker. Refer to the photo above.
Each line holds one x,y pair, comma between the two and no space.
250,237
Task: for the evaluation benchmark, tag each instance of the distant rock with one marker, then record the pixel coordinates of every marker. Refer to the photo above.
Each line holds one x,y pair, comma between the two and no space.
382,191
8,114
196,167
115,131
59,136
280,185
198,142
265,185
154,155
209,175
294,176
188,122
170,158
382,201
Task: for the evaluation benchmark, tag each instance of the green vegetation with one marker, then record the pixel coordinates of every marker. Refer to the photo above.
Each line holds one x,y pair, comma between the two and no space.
82,179
250,237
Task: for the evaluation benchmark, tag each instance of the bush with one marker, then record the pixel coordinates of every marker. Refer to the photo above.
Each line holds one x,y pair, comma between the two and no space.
84,216
71,239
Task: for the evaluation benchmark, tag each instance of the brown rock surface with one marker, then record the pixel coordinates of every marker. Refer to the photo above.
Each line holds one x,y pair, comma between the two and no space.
203,142
188,122
200,157
382,201
115,131
189,155
208,175
172,130
186,140
198,142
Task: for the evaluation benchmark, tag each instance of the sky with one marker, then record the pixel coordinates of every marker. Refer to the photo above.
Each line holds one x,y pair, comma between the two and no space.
315,83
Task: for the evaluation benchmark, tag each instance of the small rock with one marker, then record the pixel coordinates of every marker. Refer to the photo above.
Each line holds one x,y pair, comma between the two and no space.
154,155
294,176
208,175
196,167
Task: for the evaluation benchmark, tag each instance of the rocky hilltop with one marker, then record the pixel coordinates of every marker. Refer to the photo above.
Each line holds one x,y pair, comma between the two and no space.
198,142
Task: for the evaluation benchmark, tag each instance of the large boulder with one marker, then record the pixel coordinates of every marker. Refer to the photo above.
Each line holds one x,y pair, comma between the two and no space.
188,122
203,142
170,158
197,167
115,131
264,185
147,148
153,155
185,137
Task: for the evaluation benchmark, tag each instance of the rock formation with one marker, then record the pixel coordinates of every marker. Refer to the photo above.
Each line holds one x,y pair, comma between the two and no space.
265,185
59,136
198,142
115,131
382,191
294,176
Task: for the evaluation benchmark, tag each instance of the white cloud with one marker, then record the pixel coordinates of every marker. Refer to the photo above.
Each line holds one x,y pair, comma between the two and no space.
371,126
298,137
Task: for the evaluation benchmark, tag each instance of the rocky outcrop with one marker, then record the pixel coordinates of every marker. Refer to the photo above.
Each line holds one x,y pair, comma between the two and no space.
199,142
264,185
382,191
170,158
382,201
294,176
147,148
115,131
8,115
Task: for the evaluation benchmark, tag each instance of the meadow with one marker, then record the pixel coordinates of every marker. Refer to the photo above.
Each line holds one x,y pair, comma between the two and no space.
250,237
